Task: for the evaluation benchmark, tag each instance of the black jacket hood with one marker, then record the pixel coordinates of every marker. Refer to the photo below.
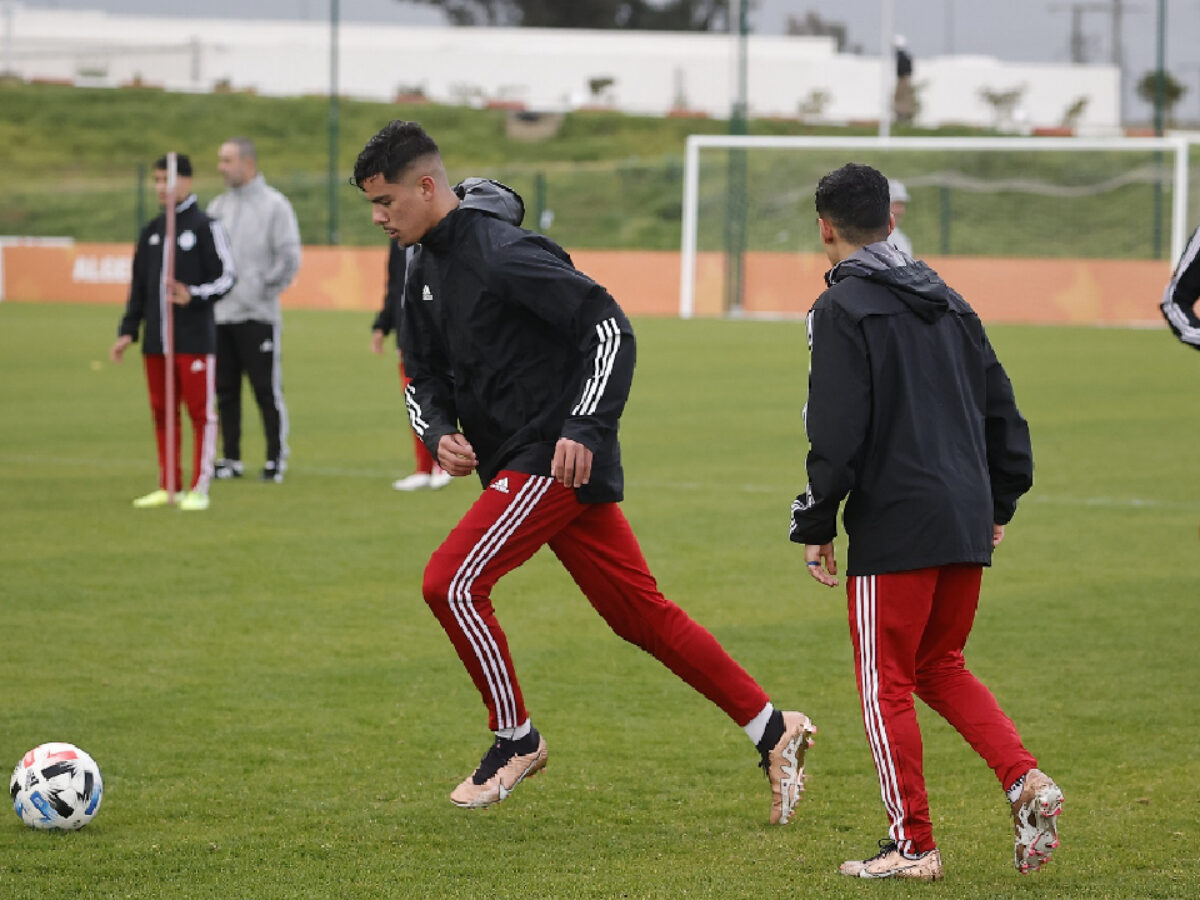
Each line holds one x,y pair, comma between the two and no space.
491,197
919,287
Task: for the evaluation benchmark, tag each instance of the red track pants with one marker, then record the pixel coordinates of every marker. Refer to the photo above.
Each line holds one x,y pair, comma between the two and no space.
420,452
909,630
194,379
516,515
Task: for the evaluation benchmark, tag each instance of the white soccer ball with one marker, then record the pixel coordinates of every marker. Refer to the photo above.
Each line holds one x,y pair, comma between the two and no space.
56,785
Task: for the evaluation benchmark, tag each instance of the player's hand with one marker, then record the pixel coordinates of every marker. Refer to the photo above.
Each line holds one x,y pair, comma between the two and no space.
377,341
117,353
456,455
572,463
997,534
821,563
179,293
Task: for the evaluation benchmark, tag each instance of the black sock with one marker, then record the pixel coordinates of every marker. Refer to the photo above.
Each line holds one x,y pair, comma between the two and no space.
771,734
527,744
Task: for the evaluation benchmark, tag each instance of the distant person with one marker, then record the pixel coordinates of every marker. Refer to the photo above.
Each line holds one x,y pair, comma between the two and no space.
904,101
521,366
1179,299
266,247
427,474
911,420
899,206
204,272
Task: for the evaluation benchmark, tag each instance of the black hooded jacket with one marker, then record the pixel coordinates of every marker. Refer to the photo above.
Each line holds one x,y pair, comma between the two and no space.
911,416
203,262
502,335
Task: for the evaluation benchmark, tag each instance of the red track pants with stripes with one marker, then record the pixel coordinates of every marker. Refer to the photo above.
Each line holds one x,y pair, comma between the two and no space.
194,375
909,630
515,516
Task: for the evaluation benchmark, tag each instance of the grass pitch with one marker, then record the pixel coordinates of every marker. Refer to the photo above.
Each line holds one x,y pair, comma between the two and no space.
277,715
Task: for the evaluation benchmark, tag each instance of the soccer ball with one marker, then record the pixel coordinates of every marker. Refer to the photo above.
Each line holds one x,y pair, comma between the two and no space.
56,785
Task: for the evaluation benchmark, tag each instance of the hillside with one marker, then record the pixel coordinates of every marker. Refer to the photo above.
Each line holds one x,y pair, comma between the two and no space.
70,157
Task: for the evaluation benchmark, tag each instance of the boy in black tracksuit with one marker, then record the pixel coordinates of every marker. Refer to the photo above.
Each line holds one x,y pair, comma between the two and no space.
203,270
911,420
521,366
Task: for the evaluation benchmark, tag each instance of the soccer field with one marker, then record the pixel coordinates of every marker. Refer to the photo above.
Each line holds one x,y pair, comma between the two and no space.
277,715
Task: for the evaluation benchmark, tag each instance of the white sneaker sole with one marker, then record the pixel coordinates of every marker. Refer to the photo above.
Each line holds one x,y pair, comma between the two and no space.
1037,829
791,784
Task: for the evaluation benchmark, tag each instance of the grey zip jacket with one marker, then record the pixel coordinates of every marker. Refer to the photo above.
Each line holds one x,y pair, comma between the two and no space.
265,237
910,418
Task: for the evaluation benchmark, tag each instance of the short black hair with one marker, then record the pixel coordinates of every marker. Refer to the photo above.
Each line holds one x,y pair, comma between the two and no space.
183,165
856,200
397,145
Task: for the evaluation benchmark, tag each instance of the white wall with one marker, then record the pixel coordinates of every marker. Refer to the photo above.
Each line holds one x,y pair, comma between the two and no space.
541,68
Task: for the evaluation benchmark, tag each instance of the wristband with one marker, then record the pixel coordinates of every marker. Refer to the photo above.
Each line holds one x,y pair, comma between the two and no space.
815,562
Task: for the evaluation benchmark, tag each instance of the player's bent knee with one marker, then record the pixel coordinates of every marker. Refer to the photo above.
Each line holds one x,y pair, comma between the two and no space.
435,587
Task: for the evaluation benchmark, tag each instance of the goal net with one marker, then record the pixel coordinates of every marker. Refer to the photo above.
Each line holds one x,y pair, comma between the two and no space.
1027,229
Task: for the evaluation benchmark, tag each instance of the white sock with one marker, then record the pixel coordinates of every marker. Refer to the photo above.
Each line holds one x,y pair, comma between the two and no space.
515,734
755,727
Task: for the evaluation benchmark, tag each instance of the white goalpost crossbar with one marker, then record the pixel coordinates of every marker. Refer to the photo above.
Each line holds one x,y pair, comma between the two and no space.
1177,146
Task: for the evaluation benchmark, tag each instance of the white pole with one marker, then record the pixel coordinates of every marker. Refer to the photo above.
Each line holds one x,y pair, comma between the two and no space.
1179,200
687,254
168,313
887,67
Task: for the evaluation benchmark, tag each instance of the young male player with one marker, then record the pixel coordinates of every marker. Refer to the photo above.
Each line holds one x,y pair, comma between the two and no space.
911,419
203,272
520,368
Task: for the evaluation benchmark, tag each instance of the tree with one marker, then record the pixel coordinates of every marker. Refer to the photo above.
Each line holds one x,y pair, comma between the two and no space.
1172,91
646,15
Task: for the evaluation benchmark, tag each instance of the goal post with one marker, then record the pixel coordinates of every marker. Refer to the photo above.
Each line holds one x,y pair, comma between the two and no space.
749,233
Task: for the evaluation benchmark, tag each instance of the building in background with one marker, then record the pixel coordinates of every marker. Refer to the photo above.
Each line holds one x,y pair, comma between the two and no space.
648,73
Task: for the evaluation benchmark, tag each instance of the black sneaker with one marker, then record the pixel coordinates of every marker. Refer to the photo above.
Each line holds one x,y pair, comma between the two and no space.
227,468
272,471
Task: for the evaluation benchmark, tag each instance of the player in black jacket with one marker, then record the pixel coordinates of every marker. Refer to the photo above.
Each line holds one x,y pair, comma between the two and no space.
520,368
203,273
911,419
1179,299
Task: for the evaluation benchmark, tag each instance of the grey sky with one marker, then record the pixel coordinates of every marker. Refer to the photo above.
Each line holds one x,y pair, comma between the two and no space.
1016,30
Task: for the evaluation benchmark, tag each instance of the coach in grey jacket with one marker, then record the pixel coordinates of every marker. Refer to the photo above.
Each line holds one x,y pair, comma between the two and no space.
265,237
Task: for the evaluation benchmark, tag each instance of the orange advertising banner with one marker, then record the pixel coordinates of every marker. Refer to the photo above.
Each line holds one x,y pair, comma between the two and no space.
646,283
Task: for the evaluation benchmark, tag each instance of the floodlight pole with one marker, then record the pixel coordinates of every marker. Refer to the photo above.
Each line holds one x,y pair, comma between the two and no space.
735,218
1160,74
333,119
887,66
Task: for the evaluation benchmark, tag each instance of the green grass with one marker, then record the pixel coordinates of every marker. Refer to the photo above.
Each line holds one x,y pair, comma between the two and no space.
70,157
277,715
70,160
